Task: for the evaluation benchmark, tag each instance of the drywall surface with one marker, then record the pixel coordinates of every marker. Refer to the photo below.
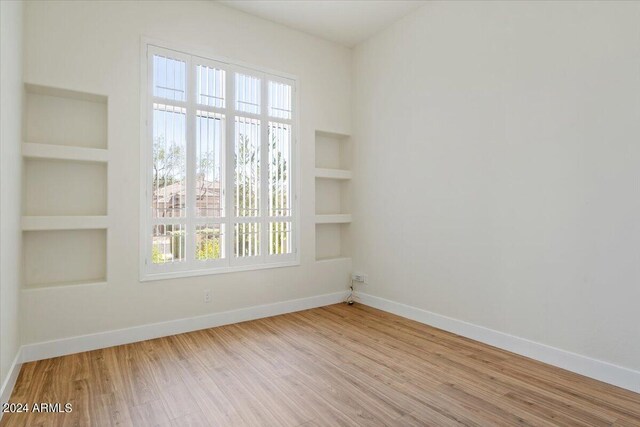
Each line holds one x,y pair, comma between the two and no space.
497,169
97,50
11,95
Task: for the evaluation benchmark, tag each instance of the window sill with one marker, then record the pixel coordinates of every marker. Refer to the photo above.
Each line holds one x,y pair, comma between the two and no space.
155,276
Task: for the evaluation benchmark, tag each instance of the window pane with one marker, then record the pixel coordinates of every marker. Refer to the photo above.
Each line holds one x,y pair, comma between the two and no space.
211,86
279,164
279,100
247,167
209,241
279,238
247,93
209,155
247,240
169,165
168,244
169,78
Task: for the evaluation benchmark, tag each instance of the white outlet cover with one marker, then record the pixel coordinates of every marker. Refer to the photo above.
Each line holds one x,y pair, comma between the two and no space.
359,277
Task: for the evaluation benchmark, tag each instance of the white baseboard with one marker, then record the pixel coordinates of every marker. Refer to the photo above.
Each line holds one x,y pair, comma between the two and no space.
597,369
77,344
10,381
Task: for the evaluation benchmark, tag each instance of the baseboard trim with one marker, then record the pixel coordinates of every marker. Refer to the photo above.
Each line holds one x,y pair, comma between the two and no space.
77,344
10,381
583,365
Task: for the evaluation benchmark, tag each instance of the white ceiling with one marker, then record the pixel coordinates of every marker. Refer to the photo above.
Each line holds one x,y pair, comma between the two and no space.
347,22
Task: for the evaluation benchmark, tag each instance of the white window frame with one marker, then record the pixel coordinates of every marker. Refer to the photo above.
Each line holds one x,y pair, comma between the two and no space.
191,266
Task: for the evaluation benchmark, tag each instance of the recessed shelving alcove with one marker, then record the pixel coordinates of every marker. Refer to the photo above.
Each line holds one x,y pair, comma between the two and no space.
333,182
65,215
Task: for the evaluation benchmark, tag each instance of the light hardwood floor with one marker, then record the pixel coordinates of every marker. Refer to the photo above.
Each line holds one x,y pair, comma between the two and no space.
335,365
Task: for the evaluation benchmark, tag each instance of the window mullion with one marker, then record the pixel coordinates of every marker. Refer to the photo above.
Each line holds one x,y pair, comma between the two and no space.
229,165
148,205
264,170
191,163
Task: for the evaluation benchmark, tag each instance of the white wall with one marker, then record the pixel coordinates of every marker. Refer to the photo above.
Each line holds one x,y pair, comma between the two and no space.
95,47
10,177
497,169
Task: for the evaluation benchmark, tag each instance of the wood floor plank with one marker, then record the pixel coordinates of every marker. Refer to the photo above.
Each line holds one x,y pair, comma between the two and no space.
332,366
194,419
150,414
209,397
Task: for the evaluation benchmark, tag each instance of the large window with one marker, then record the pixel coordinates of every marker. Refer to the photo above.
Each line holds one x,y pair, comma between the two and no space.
220,190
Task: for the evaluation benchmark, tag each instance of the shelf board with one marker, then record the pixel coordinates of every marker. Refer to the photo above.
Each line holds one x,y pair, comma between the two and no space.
64,93
44,286
63,152
41,223
333,258
333,219
330,134
333,173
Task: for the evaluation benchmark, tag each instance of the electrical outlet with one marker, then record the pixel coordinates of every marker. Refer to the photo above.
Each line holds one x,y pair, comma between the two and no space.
359,277
207,296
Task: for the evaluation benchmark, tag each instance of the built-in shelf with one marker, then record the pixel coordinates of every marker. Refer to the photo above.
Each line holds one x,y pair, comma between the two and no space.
333,258
333,154
44,286
56,92
332,135
38,223
333,219
63,257
63,152
333,173
64,203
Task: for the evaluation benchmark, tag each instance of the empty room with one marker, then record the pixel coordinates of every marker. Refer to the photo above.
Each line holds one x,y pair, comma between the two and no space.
319,213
